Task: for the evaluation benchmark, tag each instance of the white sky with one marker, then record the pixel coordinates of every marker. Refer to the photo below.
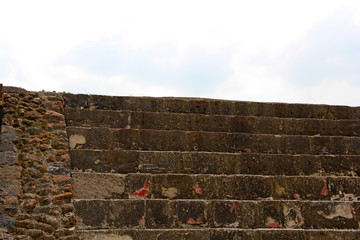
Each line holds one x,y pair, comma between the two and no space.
274,51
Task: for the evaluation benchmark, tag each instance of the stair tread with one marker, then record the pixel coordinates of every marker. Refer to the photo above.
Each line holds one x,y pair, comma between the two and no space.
131,161
205,186
205,132
247,214
210,106
221,233
165,140
214,123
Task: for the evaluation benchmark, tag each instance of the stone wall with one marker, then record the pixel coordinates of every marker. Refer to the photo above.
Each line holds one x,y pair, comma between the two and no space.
35,183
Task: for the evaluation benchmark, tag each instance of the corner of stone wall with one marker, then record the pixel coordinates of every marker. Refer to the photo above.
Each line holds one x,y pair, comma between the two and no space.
35,180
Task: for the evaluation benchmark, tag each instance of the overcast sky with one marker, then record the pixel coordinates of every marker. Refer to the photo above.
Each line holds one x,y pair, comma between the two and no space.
271,50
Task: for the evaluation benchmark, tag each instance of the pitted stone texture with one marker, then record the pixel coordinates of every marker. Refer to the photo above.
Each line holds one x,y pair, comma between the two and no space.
191,168
211,106
161,140
8,133
125,161
95,214
212,123
203,186
9,158
215,214
98,186
217,234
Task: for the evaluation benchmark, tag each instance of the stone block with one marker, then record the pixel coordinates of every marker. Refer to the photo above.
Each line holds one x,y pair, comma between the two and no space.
139,186
191,214
11,172
159,214
105,161
95,214
8,133
98,185
9,158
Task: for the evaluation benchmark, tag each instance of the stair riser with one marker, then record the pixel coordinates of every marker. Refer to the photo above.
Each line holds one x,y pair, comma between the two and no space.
85,138
206,106
100,214
123,161
217,234
100,186
212,123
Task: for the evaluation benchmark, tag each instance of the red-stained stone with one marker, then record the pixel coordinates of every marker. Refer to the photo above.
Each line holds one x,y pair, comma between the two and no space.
142,222
273,224
233,206
44,147
194,222
53,117
61,179
198,190
34,140
296,196
324,191
143,192
30,203
61,196
67,188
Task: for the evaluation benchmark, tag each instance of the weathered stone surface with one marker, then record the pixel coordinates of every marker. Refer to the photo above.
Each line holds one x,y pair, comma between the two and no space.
203,186
124,161
212,123
98,186
30,196
219,234
160,214
160,140
138,186
58,169
9,158
6,145
105,161
195,214
10,172
9,187
4,234
8,133
95,214
211,106
6,221
181,180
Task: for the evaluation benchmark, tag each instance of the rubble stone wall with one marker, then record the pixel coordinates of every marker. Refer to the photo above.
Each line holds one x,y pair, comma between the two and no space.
35,181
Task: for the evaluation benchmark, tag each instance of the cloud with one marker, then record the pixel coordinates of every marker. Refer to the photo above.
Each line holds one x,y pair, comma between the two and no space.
320,67
333,52
246,50
199,73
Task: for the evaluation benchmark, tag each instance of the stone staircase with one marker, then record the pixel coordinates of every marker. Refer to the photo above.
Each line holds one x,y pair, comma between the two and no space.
181,168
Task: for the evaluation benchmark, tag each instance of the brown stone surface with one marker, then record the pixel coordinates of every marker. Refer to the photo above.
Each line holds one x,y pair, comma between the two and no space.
213,123
124,161
31,194
95,214
177,168
220,213
161,140
211,106
98,186
217,234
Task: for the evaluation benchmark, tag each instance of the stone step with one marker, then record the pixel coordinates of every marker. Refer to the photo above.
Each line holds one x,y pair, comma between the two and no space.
163,140
213,123
211,106
219,234
188,214
131,161
206,186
